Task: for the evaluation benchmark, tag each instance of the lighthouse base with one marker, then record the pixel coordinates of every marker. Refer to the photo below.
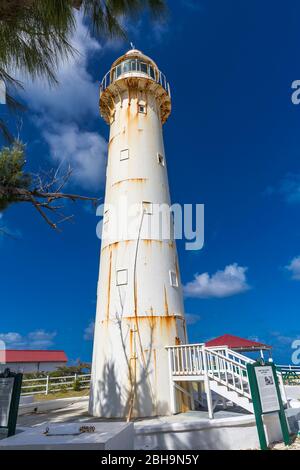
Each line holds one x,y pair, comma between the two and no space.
130,374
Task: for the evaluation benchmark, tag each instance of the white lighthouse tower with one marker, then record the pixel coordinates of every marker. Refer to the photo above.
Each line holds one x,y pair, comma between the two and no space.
139,297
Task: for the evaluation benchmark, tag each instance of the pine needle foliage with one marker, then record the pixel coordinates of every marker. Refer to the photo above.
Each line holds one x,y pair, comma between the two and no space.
12,174
34,35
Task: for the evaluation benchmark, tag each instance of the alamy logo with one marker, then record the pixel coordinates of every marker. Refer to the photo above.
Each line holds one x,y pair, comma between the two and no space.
2,92
147,220
296,353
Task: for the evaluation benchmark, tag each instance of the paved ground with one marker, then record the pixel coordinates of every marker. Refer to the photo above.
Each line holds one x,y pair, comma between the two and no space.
78,411
75,411
293,391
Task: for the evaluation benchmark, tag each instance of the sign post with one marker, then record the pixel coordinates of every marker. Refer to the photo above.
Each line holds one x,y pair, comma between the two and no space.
266,398
10,391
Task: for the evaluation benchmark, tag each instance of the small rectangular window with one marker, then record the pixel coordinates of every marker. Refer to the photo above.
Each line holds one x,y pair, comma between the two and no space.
122,277
124,154
147,207
106,216
118,70
142,108
126,66
160,159
152,73
105,224
144,67
112,117
133,65
173,279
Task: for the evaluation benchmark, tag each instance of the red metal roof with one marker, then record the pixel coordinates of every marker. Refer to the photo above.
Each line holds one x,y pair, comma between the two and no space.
235,342
34,355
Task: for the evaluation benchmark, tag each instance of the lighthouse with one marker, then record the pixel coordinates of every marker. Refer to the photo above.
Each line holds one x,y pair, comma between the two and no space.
139,295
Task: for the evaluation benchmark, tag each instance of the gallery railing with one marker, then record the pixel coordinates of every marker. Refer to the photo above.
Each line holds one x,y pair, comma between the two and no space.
134,67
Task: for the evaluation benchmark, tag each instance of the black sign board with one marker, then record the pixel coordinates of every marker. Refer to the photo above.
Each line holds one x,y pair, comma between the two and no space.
10,391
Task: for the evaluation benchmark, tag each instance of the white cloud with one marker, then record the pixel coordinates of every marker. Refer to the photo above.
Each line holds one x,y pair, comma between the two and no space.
61,111
231,281
194,6
38,339
283,338
255,338
84,151
89,331
6,232
294,268
12,340
290,188
76,95
41,339
191,318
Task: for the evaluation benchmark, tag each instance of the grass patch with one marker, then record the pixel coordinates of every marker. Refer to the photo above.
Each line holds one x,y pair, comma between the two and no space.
62,394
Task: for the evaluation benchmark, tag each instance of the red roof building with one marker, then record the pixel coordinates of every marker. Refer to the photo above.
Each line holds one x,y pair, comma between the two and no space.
32,360
237,344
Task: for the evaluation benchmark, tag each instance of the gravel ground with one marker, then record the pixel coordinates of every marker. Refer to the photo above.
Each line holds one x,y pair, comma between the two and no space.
294,446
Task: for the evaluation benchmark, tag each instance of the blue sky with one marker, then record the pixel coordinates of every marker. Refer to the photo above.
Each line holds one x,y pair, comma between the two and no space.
232,143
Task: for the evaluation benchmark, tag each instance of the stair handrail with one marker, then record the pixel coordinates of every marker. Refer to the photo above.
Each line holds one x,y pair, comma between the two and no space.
188,360
278,372
221,356
243,366
173,346
229,375
227,350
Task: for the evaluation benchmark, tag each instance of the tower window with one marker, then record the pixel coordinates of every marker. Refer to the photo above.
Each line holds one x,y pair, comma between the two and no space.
124,154
142,108
133,64
151,72
118,70
143,67
106,216
160,159
173,278
147,207
112,117
122,277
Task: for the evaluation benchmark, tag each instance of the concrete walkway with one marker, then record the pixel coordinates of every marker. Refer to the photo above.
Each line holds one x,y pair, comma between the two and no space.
78,411
231,429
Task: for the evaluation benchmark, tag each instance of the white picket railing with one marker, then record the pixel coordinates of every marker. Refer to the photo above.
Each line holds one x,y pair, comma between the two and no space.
186,359
196,362
134,67
48,384
290,369
290,374
229,370
220,364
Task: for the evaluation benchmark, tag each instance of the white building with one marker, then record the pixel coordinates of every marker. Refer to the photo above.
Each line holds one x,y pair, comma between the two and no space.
140,306
26,361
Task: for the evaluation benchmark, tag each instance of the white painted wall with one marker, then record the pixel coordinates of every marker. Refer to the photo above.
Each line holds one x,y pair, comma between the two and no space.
233,433
293,392
107,436
32,366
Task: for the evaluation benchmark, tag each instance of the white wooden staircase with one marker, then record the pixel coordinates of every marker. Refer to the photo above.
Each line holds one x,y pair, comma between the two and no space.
220,371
